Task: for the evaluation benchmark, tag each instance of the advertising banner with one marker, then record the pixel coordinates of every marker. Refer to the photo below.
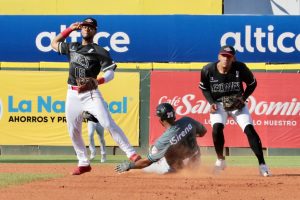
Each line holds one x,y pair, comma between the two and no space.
158,38
32,107
274,107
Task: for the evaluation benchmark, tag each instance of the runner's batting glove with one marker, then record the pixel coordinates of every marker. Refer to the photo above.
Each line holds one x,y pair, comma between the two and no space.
125,166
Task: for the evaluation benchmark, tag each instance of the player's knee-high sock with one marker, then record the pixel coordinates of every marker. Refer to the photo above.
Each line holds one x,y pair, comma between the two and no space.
255,143
218,138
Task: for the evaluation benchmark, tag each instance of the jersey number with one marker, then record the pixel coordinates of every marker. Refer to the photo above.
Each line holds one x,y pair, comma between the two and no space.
79,72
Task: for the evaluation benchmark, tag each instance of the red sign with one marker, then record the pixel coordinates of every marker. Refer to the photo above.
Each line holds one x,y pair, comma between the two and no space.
274,106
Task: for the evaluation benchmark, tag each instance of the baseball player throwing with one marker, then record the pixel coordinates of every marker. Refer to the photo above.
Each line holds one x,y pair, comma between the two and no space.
175,149
86,60
222,85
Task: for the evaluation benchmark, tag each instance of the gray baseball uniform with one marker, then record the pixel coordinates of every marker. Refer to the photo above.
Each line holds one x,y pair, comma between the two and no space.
176,146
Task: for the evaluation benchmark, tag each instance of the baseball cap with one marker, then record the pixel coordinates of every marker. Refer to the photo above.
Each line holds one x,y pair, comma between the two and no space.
227,50
90,22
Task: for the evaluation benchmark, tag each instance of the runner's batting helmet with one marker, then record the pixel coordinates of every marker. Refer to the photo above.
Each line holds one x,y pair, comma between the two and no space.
165,111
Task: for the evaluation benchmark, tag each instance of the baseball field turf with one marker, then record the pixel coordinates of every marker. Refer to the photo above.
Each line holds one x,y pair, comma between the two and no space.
7,179
48,177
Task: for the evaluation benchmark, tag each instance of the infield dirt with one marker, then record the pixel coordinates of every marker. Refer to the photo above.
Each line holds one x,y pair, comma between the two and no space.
102,183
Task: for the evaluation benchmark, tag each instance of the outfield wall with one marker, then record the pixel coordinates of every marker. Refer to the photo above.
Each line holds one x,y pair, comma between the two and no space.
143,36
157,38
147,99
40,105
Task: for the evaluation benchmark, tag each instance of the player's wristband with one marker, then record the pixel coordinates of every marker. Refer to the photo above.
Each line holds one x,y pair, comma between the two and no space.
101,80
131,165
66,32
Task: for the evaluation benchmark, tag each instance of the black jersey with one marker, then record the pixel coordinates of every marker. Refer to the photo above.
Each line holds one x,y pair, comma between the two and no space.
225,84
85,60
179,141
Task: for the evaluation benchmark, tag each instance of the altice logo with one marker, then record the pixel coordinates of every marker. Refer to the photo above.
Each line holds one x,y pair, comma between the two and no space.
263,39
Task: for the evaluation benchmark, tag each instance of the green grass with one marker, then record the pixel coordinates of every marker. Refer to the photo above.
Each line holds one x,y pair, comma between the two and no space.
8,179
274,161
53,159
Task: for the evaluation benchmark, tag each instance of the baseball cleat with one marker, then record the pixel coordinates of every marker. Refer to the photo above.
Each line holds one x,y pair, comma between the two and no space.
135,157
103,158
81,169
264,170
92,156
219,166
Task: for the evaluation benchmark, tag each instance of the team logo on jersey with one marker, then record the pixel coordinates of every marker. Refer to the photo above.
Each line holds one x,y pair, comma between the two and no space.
1,109
79,59
90,51
237,74
73,49
186,130
212,80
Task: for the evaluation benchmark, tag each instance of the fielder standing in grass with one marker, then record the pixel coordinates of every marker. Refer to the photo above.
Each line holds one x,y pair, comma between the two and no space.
222,86
175,149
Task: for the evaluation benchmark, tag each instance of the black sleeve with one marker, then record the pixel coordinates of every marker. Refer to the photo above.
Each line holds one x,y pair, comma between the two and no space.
208,96
205,86
204,79
249,79
63,48
249,90
107,62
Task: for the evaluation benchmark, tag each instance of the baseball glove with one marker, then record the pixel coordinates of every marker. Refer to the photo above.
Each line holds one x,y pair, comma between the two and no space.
89,116
86,84
233,102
